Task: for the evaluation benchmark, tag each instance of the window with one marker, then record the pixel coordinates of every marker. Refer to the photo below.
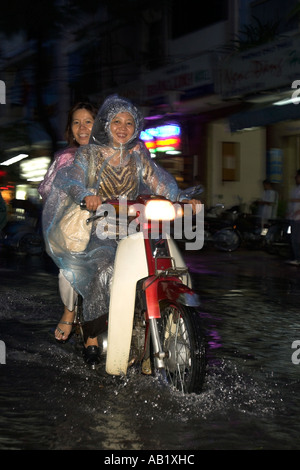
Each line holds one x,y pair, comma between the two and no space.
230,161
273,11
189,16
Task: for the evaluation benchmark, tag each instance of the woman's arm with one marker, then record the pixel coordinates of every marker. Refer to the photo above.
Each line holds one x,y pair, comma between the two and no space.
74,180
157,179
62,159
161,182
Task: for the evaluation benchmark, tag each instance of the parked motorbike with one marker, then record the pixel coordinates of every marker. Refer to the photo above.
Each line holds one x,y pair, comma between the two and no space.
153,319
22,233
220,229
218,232
249,228
278,238
228,229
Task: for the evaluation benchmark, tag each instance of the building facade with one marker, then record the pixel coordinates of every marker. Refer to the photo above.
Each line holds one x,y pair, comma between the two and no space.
212,79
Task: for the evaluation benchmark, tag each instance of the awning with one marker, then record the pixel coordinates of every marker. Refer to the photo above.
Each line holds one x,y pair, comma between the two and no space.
263,116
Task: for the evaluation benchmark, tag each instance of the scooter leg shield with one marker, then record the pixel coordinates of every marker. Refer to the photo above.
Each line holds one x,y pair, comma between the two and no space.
130,266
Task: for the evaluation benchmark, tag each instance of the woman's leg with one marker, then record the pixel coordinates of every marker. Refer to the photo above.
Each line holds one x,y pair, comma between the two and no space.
64,327
68,296
96,306
96,295
92,329
96,303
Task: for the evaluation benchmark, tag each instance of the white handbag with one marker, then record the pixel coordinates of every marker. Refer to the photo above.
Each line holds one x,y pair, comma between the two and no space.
76,232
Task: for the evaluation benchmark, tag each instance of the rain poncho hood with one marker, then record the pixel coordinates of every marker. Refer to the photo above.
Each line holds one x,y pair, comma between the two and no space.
90,271
112,106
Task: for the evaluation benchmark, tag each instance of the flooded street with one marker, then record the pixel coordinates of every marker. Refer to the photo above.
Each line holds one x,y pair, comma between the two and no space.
250,309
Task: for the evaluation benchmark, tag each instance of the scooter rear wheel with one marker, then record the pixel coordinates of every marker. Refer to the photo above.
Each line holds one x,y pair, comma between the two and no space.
183,343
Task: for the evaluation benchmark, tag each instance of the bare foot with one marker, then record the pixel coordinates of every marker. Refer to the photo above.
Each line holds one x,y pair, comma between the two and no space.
65,325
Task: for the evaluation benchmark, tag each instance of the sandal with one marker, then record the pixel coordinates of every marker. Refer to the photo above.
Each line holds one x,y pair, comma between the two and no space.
60,331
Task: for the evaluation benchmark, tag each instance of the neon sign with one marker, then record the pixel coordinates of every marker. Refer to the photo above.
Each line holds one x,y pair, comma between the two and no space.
162,139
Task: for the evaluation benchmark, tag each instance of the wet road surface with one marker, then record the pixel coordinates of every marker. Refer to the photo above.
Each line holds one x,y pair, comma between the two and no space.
250,309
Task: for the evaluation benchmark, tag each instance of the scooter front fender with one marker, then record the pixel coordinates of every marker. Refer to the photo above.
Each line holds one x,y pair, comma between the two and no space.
171,289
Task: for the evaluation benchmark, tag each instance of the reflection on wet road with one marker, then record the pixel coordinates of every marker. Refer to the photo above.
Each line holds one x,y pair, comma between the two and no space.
250,309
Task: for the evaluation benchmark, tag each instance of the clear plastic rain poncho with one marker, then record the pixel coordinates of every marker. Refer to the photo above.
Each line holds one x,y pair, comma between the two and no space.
90,271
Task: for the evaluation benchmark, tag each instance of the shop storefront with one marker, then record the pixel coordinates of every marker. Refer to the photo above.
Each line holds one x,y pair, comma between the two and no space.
266,80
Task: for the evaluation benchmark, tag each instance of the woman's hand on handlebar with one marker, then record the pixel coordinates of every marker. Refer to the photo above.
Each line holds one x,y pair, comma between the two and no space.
92,202
195,203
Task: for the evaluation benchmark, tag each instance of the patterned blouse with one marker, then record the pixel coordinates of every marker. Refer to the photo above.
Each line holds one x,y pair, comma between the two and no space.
118,180
92,171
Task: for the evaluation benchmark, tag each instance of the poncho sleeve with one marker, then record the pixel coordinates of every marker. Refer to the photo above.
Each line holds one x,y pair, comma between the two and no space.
78,180
62,159
156,179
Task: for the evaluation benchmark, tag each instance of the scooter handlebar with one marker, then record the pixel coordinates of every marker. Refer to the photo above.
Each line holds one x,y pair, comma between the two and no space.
194,192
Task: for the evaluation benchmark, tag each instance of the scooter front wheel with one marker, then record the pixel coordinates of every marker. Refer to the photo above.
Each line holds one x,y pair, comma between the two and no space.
182,342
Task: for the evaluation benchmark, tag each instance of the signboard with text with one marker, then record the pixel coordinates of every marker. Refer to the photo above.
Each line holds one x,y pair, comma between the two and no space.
268,67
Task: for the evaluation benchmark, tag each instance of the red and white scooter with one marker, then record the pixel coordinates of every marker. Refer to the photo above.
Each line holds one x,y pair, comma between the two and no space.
153,318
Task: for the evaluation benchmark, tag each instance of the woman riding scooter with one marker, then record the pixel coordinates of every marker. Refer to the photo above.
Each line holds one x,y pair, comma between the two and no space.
115,163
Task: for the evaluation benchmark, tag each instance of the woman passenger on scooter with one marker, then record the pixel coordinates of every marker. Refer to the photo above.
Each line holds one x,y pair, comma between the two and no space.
116,163
78,129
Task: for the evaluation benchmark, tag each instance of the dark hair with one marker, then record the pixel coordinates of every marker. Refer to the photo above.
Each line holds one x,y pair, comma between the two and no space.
81,105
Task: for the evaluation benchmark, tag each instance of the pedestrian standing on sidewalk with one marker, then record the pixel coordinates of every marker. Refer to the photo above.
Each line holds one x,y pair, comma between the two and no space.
268,203
294,216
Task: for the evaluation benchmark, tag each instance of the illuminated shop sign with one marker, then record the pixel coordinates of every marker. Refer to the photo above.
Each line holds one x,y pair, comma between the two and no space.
35,168
162,139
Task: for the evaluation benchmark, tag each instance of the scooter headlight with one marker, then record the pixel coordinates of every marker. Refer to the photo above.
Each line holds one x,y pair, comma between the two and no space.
160,210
